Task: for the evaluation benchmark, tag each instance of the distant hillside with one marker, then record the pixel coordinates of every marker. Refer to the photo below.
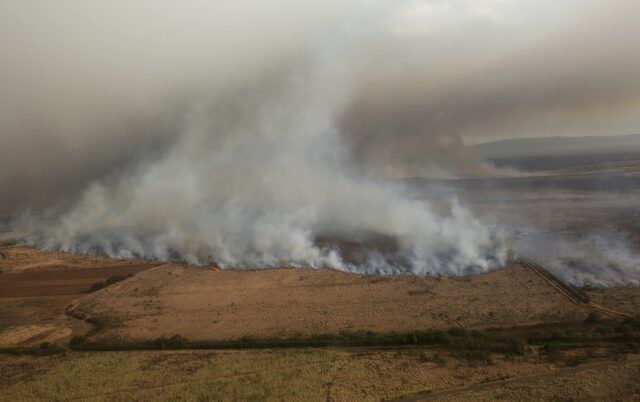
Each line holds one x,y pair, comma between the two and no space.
557,146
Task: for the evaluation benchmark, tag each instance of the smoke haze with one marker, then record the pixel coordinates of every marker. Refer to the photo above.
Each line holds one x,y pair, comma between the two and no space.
241,132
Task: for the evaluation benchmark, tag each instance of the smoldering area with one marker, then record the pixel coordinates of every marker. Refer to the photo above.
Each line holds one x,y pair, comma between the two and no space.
259,136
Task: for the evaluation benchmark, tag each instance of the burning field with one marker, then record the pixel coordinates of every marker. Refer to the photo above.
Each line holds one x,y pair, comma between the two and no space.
331,200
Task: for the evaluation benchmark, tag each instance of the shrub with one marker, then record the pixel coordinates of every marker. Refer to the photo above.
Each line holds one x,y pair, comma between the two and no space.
115,278
547,347
538,335
247,339
457,331
604,330
573,361
439,360
633,322
478,355
77,340
176,340
592,318
513,345
97,286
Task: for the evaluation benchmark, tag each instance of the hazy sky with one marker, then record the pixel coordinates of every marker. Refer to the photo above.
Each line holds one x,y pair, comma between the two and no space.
87,87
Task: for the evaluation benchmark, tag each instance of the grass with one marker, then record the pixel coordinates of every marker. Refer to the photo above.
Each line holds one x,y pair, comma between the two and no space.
473,345
246,375
454,339
44,349
242,375
388,366
401,364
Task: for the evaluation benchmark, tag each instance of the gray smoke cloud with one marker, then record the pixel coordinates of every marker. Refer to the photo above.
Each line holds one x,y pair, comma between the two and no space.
242,132
595,258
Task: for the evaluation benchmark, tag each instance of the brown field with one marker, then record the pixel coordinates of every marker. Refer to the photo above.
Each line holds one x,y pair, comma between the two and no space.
38,289
200,304
60,282
18,259
625,299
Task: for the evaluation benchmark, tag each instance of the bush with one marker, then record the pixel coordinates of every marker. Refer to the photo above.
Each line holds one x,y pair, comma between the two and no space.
549,348
592,318
439,360
537,335
247,339
77,340
115,278
573,361
97,286
176,340
457,331
634,322
604,330
478,355
513,346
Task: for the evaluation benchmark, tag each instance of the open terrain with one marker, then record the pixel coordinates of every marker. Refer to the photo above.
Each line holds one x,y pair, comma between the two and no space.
37,286
201,304
94,328
312,375
481,325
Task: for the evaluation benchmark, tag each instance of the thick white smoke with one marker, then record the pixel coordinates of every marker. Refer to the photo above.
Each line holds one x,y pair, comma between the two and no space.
244,132
257,174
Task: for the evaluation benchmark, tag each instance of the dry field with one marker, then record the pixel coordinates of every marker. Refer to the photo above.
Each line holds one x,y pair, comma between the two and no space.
201,304
36,287
311,375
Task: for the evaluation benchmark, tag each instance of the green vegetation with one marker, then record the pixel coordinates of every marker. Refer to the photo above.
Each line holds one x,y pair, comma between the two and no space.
117,278
264,369
593,317
454,339
170,376
44,349
479,343
77,340
102,322
110,281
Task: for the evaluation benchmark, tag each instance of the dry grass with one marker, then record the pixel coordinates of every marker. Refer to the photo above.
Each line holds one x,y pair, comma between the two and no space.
203,305
310,375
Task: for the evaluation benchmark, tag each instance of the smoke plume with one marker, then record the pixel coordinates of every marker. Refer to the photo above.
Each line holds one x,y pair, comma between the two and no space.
244,132
596,258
